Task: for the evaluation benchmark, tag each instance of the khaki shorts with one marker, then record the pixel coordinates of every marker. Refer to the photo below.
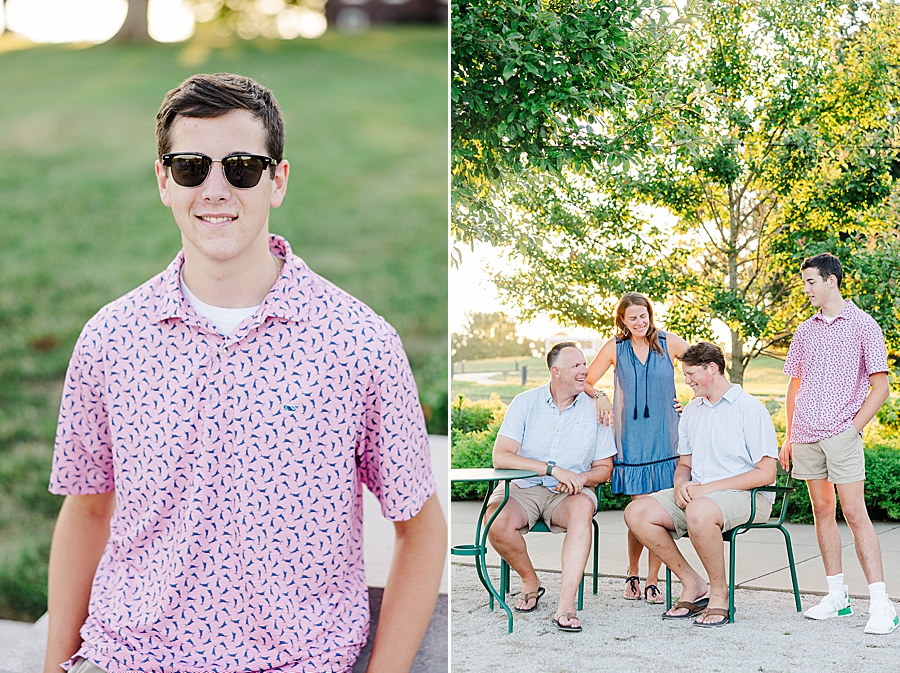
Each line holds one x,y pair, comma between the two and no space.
735,507
538,502
84,666
839,458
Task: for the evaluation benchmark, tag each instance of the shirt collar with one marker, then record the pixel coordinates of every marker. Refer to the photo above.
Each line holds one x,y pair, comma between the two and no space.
849,307
289,298
548,396
730,395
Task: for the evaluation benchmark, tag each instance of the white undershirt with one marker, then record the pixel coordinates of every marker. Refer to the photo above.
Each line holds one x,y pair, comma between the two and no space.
223,319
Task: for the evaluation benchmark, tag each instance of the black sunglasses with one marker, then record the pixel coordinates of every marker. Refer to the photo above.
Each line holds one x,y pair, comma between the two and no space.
190,169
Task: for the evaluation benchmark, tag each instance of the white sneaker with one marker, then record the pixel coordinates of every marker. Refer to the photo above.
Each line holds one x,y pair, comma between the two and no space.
831,606
882,618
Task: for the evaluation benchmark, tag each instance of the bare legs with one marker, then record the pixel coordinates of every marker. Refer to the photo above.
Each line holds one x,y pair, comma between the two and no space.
853,506
634,557
651,523
574,514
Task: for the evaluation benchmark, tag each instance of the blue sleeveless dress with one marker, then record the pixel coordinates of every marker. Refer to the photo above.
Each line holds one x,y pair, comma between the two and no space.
645,424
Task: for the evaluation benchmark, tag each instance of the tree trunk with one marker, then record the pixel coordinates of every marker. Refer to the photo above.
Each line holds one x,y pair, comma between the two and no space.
736,371
135,27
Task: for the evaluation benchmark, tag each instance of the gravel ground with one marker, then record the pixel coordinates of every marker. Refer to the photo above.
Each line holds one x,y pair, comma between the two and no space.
623,636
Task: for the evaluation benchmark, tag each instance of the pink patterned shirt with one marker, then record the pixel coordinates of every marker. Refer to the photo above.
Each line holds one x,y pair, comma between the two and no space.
238,464
833,362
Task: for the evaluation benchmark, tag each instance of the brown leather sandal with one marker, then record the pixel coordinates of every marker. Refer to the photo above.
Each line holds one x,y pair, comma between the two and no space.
693,609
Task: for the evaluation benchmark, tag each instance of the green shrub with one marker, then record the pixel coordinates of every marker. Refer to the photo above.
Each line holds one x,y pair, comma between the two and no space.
883,483
610,501
467,416
23,583
473,449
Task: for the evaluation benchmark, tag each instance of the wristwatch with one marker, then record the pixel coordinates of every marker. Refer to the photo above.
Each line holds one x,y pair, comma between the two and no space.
550,465
600,393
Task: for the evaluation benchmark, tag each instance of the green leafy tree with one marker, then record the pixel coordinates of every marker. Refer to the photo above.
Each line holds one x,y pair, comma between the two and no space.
488,335
535,87
778,144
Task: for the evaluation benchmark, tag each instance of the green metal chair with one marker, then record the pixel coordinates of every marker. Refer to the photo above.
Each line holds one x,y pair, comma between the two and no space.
542,527
731,537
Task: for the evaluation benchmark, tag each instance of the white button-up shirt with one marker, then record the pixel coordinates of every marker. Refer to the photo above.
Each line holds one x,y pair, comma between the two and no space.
727,438
571,437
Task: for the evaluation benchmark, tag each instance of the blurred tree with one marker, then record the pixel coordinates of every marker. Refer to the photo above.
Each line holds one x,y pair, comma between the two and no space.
778,143
488,335
271,19
135,27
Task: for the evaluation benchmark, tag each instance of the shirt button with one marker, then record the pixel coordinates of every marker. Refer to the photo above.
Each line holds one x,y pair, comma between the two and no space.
222,352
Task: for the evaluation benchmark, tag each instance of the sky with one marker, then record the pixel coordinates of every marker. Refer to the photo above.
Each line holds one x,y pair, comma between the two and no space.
472,291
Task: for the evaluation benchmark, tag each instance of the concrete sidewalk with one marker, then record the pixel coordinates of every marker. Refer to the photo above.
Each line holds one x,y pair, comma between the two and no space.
761,557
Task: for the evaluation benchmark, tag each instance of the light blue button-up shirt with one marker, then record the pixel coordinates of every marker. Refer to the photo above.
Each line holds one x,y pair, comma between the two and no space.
571,437
727,438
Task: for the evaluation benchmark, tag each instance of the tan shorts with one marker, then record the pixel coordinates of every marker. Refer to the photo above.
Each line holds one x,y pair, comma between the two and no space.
538,502
735,507
84,666
839,458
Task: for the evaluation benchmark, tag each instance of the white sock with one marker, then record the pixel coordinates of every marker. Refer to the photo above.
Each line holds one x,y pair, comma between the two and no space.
878,592
835,584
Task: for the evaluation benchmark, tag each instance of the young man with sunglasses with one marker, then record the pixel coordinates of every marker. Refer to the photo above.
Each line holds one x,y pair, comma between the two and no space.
216,428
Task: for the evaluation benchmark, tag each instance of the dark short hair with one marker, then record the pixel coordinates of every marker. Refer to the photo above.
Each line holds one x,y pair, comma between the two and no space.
208,96
704,353
826,264
553,353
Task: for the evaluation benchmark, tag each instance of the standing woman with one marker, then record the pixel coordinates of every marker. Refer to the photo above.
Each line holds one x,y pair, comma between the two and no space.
643,416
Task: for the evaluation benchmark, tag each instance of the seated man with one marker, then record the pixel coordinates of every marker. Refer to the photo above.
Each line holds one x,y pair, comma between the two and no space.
552,430
727,445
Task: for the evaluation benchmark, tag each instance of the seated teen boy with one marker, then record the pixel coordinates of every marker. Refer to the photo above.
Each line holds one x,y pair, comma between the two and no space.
728,447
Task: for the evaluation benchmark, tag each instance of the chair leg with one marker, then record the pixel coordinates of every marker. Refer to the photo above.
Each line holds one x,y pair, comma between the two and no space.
596,552
581,592
731,580
790,553
668,589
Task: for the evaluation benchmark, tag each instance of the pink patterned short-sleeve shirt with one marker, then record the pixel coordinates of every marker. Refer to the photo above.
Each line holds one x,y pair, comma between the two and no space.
238,463
833,362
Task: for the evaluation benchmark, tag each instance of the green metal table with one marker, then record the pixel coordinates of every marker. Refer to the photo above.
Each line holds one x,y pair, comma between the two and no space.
479,549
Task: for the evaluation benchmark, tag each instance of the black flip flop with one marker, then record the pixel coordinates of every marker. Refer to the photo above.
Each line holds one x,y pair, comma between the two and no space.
566,627
536,595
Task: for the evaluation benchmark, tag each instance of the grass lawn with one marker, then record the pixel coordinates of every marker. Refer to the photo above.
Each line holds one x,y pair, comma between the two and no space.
763,379
81,222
